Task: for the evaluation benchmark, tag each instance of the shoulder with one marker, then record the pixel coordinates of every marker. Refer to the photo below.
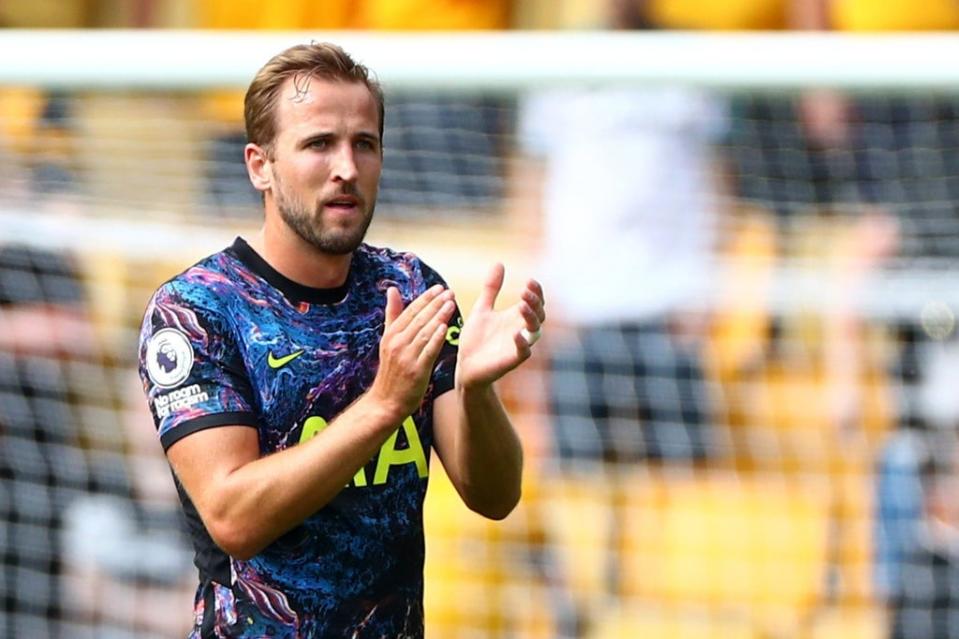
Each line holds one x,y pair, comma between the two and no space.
197,294
390,260
397,265
205,283
383,255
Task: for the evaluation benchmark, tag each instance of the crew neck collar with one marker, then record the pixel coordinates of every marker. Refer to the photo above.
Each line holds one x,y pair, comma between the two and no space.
293,291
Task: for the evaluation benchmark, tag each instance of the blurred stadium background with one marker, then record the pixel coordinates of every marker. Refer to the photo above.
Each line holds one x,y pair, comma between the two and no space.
815,357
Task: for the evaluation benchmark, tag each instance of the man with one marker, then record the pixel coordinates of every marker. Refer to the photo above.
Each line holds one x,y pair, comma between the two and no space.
314,373
623,175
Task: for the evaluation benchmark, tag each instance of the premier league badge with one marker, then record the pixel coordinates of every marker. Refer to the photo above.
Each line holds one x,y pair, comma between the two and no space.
169,358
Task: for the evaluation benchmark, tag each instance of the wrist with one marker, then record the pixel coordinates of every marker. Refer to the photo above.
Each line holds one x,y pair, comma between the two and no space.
474,389
381,413
467,383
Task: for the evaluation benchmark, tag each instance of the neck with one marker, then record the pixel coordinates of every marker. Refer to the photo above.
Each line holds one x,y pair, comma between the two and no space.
297,259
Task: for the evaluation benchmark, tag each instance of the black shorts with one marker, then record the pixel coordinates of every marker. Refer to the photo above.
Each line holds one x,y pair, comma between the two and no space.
625,393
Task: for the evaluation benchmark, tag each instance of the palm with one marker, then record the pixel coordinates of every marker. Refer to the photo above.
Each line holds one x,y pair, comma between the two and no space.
490,343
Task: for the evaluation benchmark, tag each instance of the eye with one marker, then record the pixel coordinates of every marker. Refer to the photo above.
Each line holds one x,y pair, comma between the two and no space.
320,143
366,145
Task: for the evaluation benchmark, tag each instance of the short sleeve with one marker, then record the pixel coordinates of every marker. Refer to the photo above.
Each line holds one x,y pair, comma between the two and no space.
192,371
443,373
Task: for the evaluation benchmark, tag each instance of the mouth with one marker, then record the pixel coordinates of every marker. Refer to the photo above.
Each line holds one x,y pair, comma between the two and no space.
345,203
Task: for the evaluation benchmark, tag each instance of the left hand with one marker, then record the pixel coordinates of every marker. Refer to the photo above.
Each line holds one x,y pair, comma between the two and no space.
491,343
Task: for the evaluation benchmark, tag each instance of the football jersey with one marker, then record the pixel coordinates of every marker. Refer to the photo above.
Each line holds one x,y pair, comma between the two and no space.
231,341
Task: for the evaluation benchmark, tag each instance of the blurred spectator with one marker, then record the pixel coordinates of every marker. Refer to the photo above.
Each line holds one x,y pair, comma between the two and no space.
899,508
813,406
627,227
127,558
627,181
925,601
915,469
895,158
826,151
45,338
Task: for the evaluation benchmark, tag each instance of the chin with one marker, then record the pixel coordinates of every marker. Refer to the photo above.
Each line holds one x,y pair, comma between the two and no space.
339,244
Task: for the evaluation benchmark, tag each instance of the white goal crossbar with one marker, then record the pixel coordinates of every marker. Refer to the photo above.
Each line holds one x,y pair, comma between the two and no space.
488,60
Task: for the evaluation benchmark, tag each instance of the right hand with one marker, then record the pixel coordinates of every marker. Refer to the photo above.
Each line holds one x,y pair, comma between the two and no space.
412,340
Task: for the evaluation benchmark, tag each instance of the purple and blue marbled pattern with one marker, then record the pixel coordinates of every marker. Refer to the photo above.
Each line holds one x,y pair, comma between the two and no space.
353,569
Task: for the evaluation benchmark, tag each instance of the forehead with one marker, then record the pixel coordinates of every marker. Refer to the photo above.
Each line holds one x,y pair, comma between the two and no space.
309,102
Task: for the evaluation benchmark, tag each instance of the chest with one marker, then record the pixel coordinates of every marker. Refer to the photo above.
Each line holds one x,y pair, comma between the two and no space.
308,362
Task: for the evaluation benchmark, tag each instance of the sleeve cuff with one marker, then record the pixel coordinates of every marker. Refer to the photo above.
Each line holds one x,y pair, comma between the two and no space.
215,420
443,383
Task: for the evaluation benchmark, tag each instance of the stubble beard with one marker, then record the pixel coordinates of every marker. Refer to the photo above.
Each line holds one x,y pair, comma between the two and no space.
308,225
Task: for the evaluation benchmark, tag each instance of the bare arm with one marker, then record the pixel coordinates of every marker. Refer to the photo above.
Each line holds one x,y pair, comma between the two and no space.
480,450
473,434
247,501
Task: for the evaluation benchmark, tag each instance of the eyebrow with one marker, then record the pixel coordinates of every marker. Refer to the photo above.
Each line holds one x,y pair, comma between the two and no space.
367,135
315,137
362,135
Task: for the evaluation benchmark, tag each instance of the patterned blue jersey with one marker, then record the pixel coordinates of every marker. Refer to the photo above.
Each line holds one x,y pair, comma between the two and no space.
231,341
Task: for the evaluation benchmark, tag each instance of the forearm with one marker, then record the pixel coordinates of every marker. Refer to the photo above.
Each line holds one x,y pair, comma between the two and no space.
487,463
257,502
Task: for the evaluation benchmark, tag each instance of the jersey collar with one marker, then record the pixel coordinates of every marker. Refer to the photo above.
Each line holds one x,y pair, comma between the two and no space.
292,290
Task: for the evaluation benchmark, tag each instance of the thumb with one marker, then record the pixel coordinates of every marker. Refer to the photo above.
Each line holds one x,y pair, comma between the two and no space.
491,287
394,305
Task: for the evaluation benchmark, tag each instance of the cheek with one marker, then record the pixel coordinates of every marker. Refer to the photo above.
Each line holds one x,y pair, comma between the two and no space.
371,170
307,170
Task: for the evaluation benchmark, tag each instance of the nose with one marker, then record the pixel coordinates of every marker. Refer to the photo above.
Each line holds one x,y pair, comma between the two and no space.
344,165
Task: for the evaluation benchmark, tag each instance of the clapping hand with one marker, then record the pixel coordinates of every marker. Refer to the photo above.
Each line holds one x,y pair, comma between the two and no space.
493,342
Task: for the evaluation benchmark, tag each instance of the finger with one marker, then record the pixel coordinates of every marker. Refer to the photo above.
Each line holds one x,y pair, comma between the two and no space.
536,303
537,289
530,317
437,336
491,288
416,306
440,307
523,349
394,305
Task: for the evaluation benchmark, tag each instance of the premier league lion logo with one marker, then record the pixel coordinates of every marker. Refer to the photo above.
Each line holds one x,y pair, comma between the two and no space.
169,358
166,357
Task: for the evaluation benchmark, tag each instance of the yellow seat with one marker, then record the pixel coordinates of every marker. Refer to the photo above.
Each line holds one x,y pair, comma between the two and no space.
862,622
649,622
477,581
746,544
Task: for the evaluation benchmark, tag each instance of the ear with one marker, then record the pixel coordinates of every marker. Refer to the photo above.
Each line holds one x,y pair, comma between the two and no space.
258,166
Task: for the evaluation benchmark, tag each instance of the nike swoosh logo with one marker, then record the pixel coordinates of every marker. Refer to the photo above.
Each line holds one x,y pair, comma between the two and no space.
280,362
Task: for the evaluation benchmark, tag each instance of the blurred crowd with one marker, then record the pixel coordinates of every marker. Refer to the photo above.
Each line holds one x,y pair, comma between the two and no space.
724,439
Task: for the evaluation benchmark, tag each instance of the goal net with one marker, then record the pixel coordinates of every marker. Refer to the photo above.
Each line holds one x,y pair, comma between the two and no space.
741,421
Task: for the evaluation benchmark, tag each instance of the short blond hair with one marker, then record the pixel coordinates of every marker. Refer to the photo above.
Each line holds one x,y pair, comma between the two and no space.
314,60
